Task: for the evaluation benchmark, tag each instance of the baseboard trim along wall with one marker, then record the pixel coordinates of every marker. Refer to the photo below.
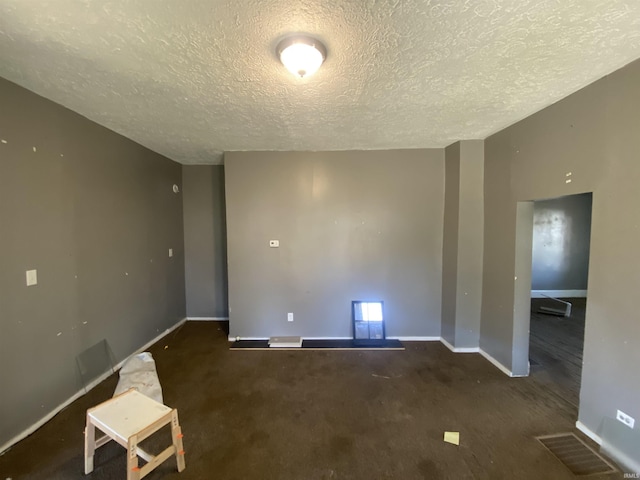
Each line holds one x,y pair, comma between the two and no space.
629,464
460,349
24,434
588,432
559,293
496,363
208,319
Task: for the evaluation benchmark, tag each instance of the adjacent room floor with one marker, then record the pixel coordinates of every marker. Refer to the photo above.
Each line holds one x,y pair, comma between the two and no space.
322,415
556,346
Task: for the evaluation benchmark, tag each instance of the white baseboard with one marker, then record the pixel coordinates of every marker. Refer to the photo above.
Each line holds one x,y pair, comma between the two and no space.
588,432
629,464
208,319
496,363
447,344
415,339
459,349
25,433
151,342
559,293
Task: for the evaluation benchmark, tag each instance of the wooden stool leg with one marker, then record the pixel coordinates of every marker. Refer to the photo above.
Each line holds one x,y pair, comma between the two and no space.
176,435
133,471
89,446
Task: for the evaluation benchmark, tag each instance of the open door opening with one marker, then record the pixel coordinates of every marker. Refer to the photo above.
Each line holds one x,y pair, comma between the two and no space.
559,278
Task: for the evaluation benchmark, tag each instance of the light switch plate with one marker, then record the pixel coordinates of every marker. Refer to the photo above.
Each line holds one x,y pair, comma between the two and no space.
171,252
32,277
274,243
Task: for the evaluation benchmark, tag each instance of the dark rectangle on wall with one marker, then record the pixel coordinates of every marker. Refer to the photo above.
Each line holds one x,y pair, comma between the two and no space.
345,344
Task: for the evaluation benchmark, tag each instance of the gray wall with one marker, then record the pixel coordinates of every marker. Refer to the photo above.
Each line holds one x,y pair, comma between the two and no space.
351,225
95,214
462,249
205,241
450,241
561,232
591,138
522,289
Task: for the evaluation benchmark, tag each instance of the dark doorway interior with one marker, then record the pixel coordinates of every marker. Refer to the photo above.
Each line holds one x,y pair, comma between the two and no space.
560,269
555,349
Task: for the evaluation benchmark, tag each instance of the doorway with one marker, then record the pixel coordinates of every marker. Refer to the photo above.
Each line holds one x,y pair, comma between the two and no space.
559,278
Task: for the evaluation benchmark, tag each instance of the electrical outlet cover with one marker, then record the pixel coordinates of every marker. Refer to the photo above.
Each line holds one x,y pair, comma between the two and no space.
626,419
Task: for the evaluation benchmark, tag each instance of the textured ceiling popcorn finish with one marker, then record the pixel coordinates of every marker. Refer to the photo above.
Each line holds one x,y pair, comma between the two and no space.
192,79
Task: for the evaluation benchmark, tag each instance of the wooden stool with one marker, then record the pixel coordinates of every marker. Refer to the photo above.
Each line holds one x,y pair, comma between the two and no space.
128,419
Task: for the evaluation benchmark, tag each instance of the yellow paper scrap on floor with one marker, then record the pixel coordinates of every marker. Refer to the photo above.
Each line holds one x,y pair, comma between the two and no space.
452,437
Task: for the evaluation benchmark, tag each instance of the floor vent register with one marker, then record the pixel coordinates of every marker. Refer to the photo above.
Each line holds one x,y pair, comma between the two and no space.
576,455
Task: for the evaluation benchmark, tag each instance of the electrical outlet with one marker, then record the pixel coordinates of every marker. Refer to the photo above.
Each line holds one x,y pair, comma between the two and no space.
289,317
626,419
274,243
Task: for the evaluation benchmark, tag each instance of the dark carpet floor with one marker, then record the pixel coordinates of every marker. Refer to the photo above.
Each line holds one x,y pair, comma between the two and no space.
322,415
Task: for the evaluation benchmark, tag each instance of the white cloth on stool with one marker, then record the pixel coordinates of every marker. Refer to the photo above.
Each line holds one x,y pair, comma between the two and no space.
139,372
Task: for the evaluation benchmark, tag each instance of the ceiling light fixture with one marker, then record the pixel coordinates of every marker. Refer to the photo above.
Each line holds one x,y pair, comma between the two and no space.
301,54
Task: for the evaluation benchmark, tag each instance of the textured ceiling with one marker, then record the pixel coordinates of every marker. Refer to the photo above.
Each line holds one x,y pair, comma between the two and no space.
192,79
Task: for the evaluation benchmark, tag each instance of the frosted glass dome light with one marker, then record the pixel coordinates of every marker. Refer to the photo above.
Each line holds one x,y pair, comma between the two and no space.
301,55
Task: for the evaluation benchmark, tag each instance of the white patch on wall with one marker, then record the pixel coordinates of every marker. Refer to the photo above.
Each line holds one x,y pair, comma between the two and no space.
32,278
